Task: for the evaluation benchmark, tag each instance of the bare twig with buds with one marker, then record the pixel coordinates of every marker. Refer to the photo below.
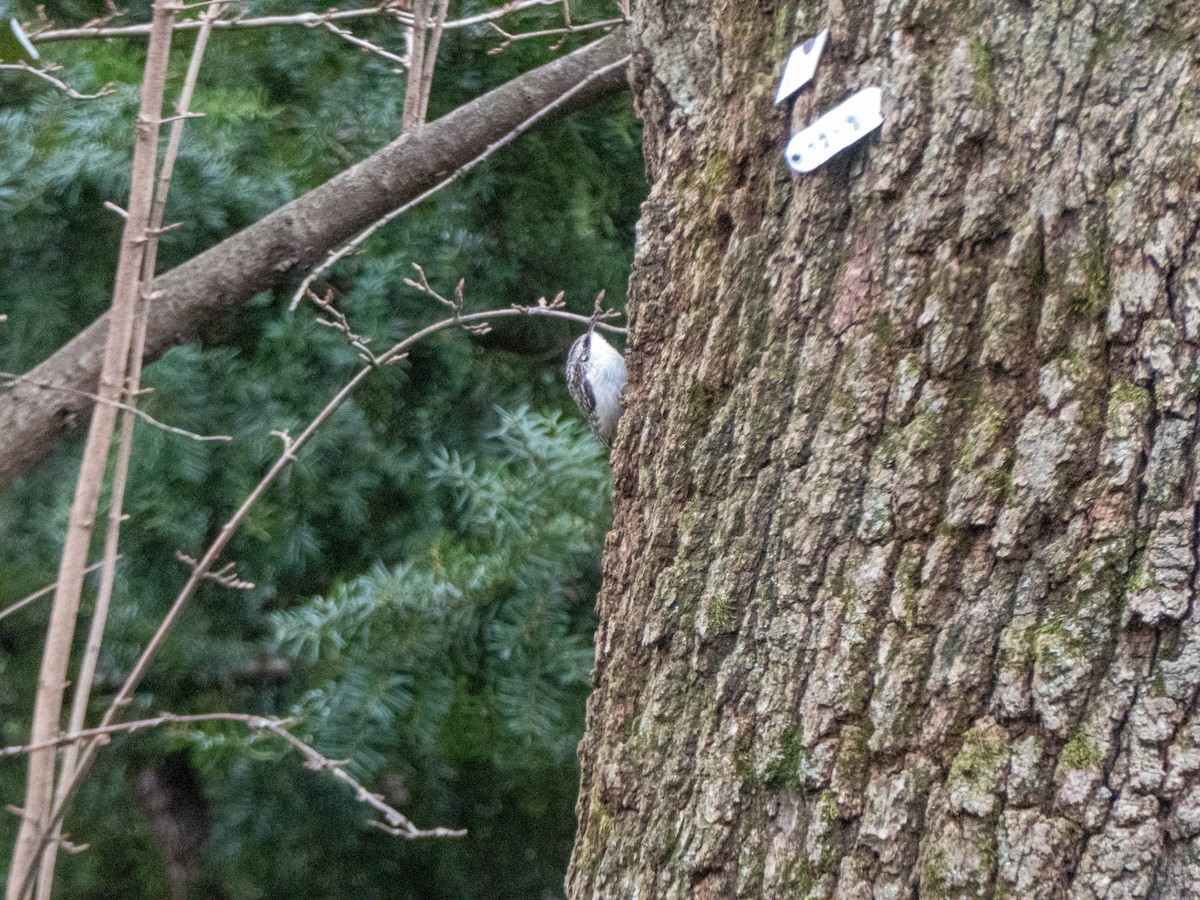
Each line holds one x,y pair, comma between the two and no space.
42,592
393,821
11,378
44,74
564,32
99,28
226,576
338,322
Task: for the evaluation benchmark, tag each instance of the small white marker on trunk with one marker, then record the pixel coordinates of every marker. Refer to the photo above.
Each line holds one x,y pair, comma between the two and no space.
15,45
842,126
801,65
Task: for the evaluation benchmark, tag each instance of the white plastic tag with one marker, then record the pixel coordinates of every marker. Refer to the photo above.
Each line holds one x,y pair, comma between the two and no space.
842,126
15,45
801,66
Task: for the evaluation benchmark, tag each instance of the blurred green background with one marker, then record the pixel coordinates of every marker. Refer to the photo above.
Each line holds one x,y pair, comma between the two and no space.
425,574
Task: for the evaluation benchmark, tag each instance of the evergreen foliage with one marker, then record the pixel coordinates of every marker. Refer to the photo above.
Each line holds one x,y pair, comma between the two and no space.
428,566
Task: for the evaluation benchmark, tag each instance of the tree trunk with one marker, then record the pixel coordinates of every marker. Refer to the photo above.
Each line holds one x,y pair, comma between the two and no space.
899,596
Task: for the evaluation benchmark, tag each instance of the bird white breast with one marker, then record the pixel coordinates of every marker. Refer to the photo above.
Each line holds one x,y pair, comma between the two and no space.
606,372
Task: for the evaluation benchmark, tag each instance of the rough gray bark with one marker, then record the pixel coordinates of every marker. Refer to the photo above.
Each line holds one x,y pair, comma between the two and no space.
899,599
292,240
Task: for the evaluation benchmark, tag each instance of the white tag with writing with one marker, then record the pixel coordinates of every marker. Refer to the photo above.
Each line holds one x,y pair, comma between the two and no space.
842,126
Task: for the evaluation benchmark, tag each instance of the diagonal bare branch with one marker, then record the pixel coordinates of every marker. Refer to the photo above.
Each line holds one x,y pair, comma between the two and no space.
288,242
359,239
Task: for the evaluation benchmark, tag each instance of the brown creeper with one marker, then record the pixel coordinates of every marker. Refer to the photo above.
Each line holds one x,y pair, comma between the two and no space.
595,376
